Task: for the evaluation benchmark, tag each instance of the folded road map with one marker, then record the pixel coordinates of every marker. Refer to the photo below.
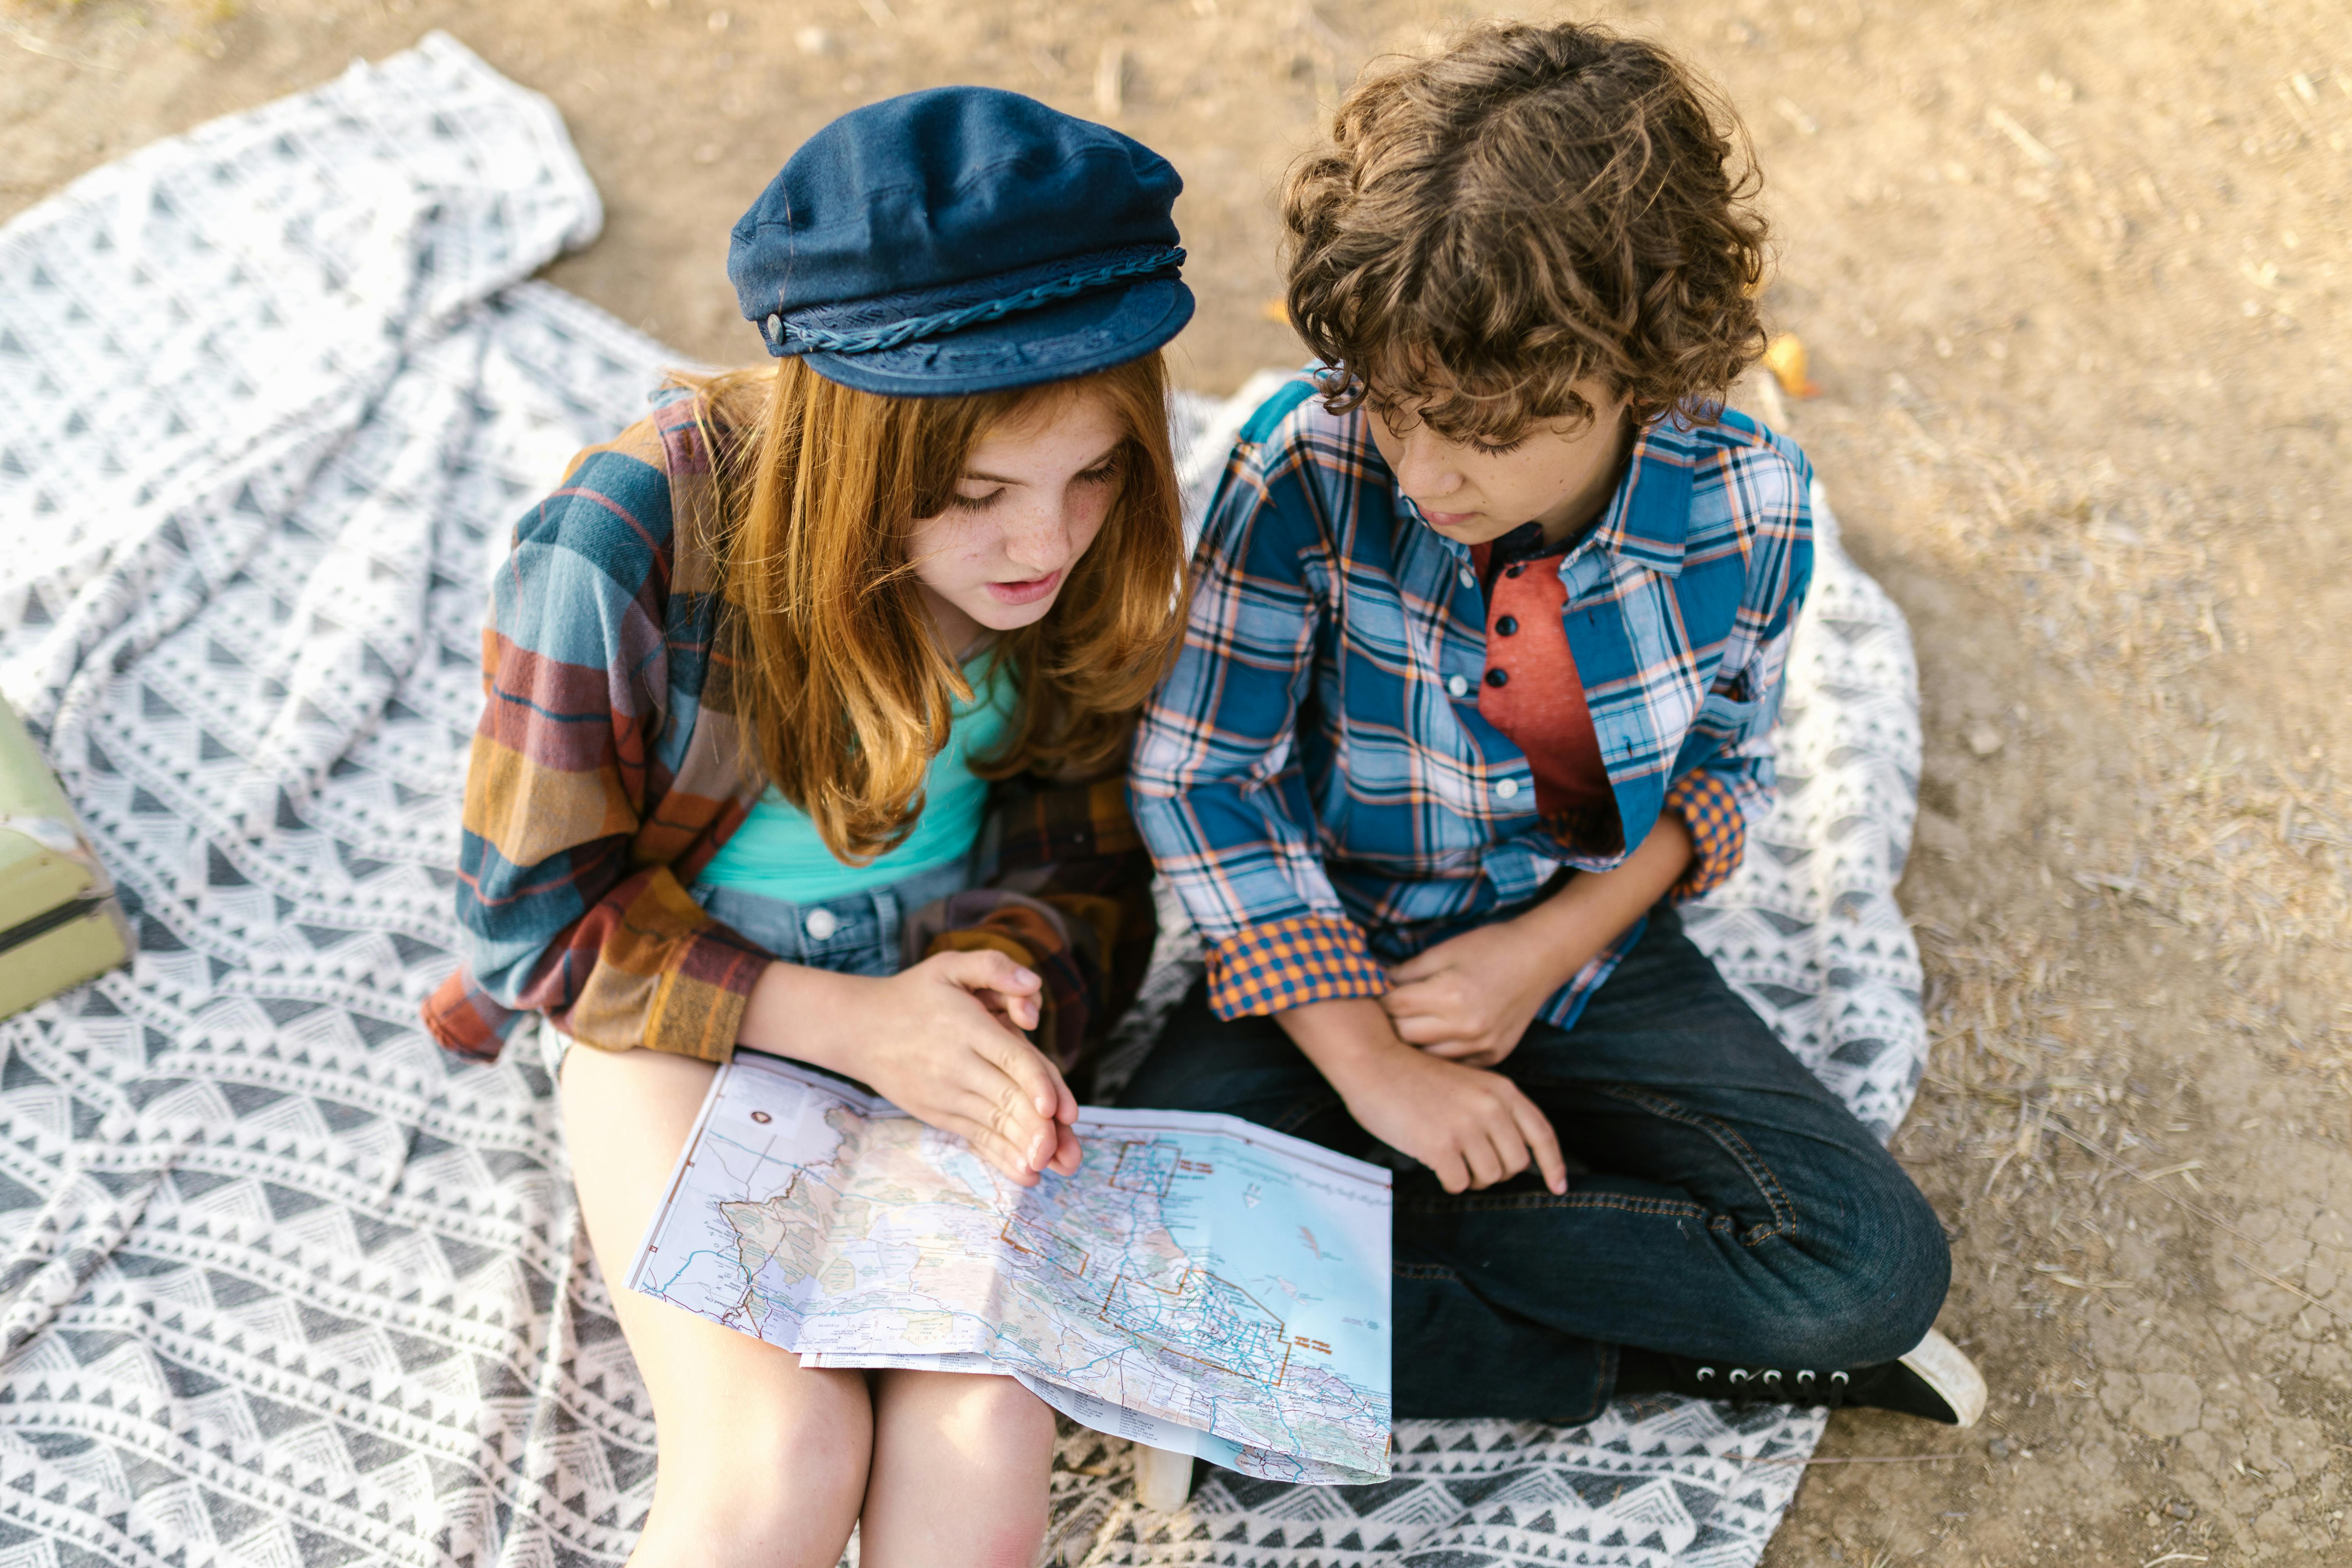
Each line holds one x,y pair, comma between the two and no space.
1200,1283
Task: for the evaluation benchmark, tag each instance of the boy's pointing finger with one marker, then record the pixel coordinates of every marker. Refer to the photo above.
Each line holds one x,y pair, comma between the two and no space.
1545,1145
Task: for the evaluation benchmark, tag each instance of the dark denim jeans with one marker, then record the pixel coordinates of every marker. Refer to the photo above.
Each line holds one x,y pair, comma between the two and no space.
1729,1207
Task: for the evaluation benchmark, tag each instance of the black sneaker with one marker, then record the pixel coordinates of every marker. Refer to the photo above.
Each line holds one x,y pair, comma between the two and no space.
1936,1380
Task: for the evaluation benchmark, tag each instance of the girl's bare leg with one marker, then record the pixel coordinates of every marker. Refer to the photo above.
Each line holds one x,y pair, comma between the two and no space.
960,1469
760,1461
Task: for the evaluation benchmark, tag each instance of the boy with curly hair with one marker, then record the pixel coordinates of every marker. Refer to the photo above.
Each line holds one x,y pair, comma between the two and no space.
1485,644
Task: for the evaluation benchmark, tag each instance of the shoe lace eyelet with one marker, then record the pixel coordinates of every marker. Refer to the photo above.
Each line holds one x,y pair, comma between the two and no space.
1772,1378
1706,1375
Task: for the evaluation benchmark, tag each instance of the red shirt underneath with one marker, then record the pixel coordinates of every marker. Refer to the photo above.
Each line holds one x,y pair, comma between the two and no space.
1533,694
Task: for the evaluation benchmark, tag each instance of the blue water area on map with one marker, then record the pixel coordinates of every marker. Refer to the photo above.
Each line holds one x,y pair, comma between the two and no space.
1302,1256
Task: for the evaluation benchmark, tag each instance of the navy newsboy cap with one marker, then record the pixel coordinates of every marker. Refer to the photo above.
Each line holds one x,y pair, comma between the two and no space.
963,239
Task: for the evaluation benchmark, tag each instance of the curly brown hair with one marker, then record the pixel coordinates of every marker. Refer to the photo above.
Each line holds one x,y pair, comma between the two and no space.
1531,207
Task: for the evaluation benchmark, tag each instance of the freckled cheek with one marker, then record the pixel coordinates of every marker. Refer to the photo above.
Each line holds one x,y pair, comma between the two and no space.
1511,484
1543,480
1087,521
948,552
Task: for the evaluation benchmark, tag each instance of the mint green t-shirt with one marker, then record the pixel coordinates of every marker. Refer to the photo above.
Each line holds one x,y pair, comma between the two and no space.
778,853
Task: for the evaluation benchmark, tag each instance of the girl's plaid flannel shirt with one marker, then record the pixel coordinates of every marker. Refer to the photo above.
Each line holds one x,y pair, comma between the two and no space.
1314,775
606,773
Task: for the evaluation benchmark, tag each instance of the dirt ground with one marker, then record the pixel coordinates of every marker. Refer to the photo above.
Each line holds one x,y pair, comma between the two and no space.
2072,279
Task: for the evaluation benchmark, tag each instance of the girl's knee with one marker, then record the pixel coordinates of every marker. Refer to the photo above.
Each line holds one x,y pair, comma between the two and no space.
1013,1548
778,1477
962,1467
813,1459
998,1418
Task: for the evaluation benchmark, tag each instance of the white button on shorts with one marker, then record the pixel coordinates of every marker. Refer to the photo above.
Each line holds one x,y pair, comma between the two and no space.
1508,788
1458,686
821,923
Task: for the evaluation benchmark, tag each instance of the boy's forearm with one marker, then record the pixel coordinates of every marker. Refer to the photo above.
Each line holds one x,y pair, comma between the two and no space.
1347,1039
1344,1039
1596,907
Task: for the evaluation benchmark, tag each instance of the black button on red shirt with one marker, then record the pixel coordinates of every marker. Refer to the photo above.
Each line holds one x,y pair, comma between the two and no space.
1530,689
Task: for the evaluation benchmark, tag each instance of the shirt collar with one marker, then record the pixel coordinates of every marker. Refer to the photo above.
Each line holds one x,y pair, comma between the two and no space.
1649,517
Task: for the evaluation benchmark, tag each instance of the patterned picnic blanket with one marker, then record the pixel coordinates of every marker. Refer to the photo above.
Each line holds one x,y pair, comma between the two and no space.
282,1284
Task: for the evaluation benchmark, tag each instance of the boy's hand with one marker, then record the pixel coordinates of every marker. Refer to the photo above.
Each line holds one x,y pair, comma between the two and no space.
1470,997
937,1041
1472,1128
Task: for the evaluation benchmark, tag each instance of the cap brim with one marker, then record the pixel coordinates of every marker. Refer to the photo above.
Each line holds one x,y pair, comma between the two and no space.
1072,338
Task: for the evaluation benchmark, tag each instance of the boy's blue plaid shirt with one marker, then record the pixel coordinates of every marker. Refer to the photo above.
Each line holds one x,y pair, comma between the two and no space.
1314,775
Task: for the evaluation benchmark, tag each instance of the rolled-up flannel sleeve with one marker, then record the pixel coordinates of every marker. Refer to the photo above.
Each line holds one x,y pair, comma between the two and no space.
1217,789
1724,776
557,914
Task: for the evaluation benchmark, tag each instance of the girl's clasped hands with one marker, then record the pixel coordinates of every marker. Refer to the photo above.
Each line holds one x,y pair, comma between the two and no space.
941,1041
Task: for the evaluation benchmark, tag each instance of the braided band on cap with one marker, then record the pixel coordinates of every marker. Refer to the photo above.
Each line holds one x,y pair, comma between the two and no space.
797,339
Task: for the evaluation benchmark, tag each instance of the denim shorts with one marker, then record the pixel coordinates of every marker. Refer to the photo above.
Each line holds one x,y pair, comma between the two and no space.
855,934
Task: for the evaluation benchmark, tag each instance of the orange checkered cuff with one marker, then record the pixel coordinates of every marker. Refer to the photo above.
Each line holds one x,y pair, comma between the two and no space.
1718,830
1287,964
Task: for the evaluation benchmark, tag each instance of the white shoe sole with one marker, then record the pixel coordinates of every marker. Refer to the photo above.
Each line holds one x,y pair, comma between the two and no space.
1945,1368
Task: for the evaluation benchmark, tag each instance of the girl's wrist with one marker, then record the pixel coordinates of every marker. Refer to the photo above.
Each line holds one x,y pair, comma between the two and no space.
798,1011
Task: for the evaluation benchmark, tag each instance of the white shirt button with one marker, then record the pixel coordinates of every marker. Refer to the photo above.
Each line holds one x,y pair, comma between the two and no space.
1458,686
821,923
1508,789
1469,578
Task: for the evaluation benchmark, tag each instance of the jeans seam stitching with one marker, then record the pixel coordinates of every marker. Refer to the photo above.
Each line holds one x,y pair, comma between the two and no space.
1628,1202
1766,1180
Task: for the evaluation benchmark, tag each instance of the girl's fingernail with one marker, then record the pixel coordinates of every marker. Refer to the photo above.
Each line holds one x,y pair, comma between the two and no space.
1027,976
